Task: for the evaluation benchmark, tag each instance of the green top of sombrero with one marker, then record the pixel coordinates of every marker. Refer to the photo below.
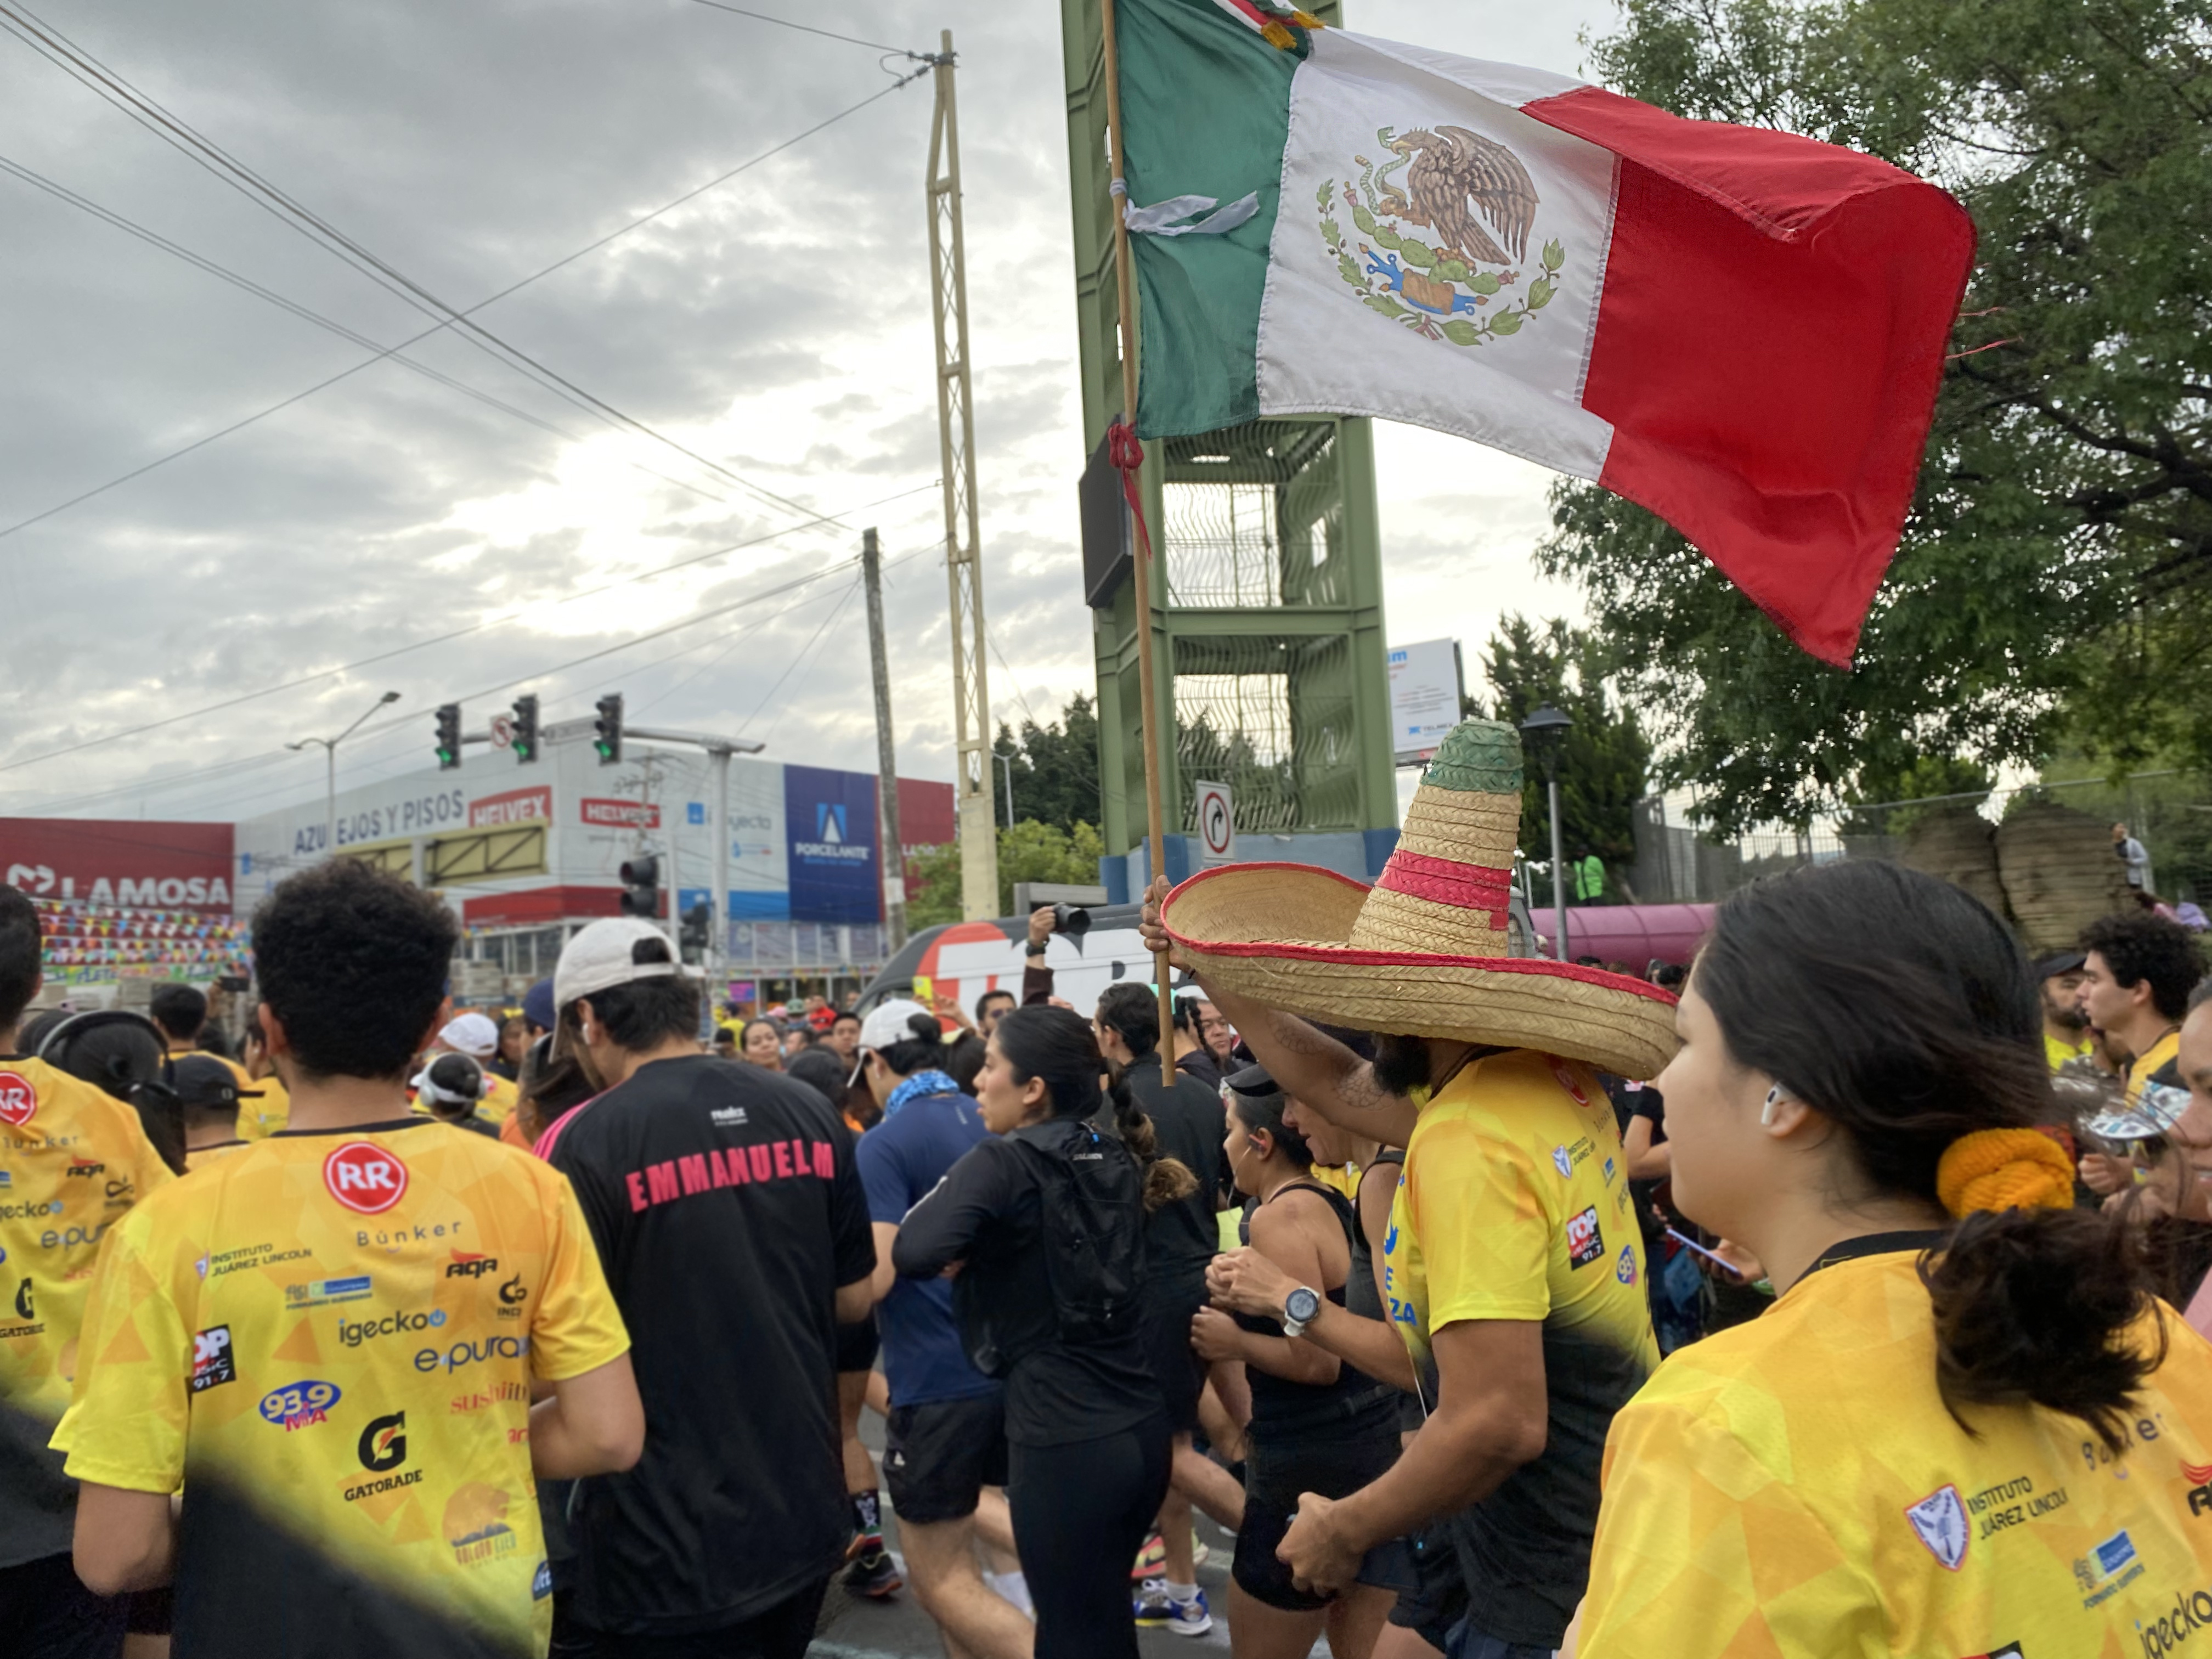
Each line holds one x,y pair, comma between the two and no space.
1483,757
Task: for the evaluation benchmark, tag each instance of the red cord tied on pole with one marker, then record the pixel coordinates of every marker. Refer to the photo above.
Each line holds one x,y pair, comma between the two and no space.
1126,453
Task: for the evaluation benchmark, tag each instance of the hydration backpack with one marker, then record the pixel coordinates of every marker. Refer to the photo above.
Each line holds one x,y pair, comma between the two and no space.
1093,1211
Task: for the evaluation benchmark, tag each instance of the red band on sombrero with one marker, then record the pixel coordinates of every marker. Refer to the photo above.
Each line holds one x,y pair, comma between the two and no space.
1447,881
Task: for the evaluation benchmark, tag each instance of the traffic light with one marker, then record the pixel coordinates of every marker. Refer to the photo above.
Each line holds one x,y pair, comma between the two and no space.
449,736
640,878
698,929
525,742
607,729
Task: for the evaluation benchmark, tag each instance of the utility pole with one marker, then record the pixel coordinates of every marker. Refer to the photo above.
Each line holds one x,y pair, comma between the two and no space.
894,848
963,554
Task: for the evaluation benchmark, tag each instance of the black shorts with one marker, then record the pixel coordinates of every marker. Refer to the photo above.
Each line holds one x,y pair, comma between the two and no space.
1164,1329
1274,1478
153,1613
48,1613
1441,1600
858,1346
782,1631
940,1455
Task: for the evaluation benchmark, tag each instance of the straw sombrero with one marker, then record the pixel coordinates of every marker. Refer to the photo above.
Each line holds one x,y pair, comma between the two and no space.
1423,952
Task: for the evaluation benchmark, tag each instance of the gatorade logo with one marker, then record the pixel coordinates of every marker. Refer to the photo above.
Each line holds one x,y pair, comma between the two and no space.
364,1178
383,1443
19,1101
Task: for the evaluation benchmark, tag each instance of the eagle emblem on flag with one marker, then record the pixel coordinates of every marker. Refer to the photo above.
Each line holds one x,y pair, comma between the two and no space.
1476,196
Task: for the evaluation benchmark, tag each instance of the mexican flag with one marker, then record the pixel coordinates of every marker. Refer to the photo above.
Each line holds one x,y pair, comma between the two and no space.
1742,330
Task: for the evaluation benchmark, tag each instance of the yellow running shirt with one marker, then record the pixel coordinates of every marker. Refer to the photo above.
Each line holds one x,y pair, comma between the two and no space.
328,1340
259,1118
499,1096
73,1160
1794,1487
2057,1054
1514,1204
2162,1053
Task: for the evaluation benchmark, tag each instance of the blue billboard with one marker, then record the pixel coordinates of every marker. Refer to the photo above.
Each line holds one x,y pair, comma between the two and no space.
830,826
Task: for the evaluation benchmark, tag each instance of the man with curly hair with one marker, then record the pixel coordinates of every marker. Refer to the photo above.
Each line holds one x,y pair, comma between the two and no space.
330,1339
2137,973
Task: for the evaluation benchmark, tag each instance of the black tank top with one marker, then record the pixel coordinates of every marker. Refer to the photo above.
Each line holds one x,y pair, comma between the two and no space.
1349,1408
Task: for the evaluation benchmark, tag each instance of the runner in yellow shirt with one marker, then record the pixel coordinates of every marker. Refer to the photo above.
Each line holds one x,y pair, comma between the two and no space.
2137,973
181,1012
213,1106
73,1161
1949,1436
476,1036
273,1110
330,1339
2065,1027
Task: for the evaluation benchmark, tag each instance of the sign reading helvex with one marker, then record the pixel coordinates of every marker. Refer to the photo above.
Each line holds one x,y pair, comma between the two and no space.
830,819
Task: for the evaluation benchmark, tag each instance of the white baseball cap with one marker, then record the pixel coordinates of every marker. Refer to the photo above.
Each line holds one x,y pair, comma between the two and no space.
606,955
472,1035
887,1023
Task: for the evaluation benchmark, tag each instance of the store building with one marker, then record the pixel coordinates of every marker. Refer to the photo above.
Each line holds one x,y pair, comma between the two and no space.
529,854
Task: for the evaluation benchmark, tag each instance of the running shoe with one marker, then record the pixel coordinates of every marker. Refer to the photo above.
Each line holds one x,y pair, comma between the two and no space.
1198,1553
873,1575
1150,1607
1153,1560
1188,1618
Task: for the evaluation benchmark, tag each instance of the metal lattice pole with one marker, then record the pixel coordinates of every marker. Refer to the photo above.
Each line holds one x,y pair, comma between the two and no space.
964,553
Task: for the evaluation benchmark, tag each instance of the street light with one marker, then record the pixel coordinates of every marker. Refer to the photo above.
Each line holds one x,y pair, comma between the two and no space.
1008,762
1544,732
330,748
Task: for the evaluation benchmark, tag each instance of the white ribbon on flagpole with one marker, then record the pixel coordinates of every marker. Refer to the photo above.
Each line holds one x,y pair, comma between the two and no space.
1159,219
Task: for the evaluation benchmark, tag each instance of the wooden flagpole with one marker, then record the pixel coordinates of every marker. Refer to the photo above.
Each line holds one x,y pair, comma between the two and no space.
1147,690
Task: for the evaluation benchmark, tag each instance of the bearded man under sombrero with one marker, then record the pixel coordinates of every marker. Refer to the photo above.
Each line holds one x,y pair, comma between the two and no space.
1513,1269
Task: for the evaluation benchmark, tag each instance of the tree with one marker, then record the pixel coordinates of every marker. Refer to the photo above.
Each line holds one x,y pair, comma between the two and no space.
1605,758
2056,566
1055,768
1928,779
1030,851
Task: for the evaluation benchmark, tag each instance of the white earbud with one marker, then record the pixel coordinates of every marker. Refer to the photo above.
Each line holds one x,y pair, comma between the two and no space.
1766,1112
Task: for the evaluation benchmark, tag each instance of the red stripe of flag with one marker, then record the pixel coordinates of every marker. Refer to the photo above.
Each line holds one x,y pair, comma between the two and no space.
1769,343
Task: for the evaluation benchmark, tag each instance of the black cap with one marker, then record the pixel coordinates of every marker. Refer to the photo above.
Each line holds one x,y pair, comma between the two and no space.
2059,962
202,1081
1252,1080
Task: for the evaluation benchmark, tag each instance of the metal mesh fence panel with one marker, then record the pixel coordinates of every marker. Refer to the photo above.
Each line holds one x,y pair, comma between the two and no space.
1272,719
1253,520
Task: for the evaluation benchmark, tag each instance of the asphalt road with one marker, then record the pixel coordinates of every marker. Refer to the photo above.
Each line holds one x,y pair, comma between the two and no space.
854,1628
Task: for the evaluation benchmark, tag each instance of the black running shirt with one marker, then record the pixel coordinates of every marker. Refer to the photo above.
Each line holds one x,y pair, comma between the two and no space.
728,1212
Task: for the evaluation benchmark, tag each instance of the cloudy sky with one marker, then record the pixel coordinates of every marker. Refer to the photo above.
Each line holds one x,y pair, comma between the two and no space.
777,325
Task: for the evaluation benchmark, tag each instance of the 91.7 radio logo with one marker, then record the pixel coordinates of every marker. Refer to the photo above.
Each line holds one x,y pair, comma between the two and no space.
213,1362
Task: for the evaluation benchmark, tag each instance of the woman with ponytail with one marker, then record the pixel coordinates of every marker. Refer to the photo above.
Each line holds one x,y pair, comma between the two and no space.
1043,1226
1966,1425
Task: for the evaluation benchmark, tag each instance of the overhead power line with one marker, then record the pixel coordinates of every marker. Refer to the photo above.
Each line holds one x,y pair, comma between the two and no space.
809,28
52,46
131,226
476,627
217,770
211,157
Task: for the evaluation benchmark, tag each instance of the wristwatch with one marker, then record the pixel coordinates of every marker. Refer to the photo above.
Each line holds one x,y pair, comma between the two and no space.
1300,1309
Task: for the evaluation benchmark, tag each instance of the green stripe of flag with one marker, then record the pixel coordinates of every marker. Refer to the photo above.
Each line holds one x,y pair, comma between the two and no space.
1205,111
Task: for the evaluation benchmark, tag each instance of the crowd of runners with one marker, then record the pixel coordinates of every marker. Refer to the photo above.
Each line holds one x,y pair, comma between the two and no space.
404,1332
